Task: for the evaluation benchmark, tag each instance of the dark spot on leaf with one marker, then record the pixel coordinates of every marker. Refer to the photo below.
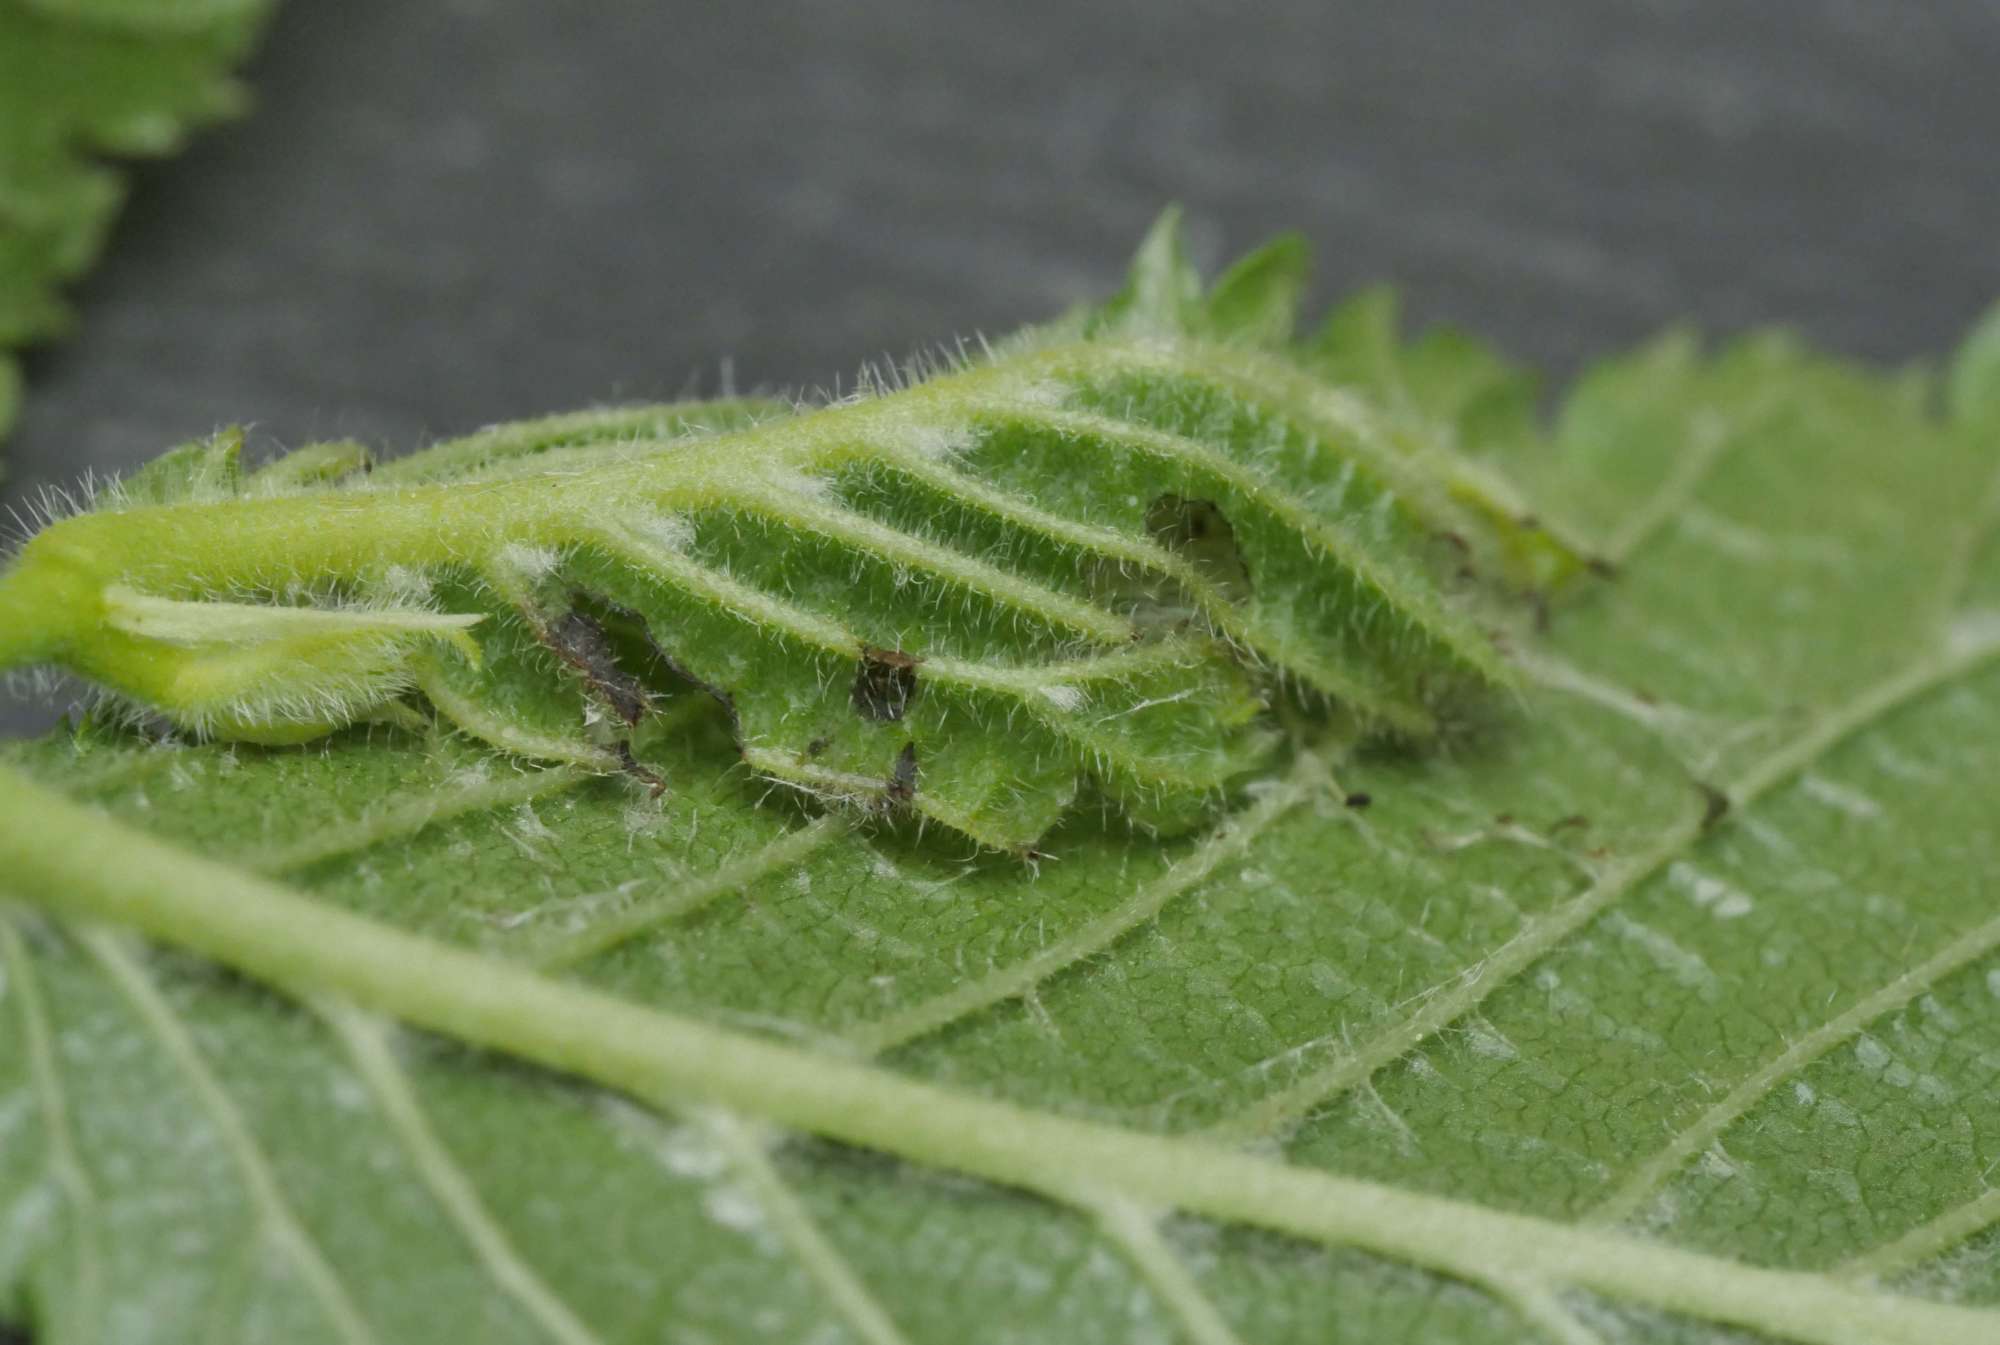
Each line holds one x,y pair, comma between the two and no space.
1574,820
1198,532
903,776
581,642
634,768
1601,567
1359,799
884,684
1456,552
1715,804
817,747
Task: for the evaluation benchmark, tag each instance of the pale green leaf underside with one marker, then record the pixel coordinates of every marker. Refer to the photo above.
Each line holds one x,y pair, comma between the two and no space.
1539,977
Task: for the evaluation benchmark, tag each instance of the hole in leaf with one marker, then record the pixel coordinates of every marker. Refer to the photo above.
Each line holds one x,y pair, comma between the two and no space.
1199,532
884,684
639,654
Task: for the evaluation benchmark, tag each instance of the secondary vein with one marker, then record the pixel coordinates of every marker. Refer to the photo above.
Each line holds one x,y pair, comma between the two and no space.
1543,933
267,1197
365,1041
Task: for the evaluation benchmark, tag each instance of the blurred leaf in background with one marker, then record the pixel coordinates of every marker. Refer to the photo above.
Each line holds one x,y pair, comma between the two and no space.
81,81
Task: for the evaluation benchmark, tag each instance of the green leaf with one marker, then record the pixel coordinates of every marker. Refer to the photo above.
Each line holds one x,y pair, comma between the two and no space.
81,79
207,469
1446,379
926,601
1163,291
1257,300
1973,388
1656,1004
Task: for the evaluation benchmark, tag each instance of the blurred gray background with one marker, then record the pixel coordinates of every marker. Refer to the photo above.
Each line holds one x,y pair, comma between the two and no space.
444,214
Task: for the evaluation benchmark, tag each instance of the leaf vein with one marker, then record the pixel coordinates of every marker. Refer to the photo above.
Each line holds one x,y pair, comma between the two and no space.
63,1160
259,1178
822,1260
1626,1199
1926,1240
1232,837
622,926
406,816
366,1045
1136,1231
1546,931
1541,1308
